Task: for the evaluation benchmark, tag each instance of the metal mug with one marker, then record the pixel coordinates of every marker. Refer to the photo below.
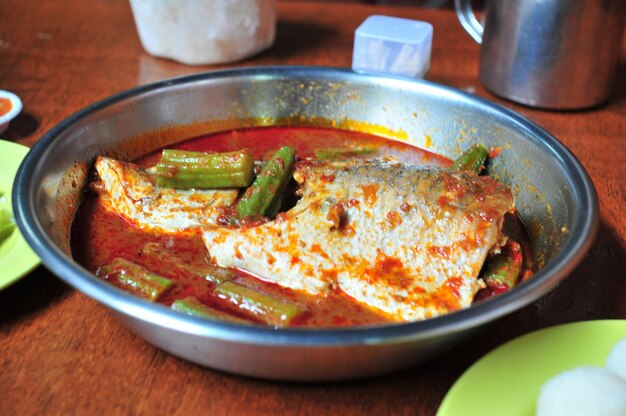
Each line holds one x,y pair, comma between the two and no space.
554,54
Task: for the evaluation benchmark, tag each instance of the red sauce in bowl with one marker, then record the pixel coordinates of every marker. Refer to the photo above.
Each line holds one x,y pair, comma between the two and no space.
99,235
5,106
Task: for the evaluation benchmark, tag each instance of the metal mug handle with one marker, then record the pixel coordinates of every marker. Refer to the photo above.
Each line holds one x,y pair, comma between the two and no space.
468,20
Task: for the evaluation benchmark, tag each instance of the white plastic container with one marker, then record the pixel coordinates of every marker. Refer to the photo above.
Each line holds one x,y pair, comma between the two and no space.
393,45
205,32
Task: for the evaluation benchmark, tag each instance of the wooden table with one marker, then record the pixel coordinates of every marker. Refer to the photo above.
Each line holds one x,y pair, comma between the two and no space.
61,353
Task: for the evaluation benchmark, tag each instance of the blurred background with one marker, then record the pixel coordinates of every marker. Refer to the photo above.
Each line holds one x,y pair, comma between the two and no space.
433,4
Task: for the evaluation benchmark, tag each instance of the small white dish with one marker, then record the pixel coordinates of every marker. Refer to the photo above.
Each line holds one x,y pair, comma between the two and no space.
394,45
12,112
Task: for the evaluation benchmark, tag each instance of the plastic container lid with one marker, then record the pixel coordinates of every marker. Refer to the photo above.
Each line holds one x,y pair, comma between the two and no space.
393,45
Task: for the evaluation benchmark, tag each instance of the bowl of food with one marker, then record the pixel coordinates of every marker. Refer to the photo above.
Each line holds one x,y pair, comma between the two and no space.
302,223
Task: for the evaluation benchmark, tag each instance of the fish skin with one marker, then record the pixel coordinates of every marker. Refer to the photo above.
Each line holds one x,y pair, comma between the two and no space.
406,240
132,193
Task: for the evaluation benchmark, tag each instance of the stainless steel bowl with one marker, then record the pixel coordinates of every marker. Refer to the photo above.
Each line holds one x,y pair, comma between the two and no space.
554,195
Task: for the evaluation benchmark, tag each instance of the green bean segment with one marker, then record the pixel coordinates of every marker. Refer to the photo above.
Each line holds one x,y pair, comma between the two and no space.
504,268
158,254
263,197
259,305
186,170
192,306
472,159
136,279
326,153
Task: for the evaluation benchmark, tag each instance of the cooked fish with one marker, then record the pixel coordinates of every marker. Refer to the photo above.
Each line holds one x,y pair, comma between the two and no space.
131,192
406,240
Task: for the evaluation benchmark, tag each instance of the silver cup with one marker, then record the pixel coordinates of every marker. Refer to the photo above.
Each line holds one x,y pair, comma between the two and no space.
554,54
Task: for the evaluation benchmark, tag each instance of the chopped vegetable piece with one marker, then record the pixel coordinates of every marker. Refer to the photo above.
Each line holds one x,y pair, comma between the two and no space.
136,279
504,268
472,159
7,224
185,170
174,263
261,198
326,153
192,306
259,305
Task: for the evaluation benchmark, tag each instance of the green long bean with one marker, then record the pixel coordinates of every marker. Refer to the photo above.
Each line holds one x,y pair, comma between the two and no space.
157,253
192,306
259,305
136,279
185,169
504,268
261,199
472,159
334,153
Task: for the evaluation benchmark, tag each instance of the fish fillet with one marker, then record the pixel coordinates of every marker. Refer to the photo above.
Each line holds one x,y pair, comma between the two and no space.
403,239
131,193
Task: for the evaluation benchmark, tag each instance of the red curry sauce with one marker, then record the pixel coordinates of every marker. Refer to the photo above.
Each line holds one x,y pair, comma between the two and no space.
99,236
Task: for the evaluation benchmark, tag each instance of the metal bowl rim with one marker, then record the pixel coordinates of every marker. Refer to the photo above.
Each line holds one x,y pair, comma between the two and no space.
573,250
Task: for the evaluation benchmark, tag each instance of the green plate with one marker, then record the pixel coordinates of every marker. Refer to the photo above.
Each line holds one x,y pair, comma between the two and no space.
507,380
16,256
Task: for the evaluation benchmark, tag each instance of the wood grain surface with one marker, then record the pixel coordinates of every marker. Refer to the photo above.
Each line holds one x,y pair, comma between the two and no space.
61,353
